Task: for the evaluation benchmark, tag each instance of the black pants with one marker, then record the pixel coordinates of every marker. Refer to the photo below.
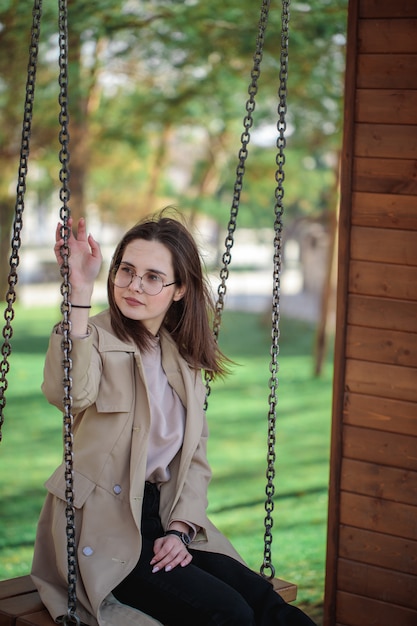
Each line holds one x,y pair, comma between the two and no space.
214,590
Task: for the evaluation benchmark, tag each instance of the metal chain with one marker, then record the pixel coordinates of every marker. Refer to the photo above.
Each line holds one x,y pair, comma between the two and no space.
65,214
20,205
240,170
267,569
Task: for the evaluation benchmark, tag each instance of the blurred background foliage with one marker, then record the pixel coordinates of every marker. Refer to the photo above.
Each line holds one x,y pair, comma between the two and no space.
157,98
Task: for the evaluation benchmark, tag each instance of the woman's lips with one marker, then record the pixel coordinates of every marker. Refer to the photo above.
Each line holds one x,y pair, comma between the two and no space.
133,302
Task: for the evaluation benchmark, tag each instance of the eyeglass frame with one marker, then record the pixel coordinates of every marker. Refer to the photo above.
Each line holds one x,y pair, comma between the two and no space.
134,275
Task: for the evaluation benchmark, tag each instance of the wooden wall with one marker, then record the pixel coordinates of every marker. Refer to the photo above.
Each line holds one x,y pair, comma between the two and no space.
371,572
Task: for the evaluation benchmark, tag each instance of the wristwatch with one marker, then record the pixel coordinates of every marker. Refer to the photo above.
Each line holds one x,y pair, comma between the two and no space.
186,539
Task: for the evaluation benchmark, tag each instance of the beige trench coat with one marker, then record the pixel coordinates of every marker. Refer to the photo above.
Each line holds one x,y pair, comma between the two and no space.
110,402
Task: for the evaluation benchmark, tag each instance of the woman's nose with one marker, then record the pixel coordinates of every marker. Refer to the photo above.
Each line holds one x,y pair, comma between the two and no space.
136,283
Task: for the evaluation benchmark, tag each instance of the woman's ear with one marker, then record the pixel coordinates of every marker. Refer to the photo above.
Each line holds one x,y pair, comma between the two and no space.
179,293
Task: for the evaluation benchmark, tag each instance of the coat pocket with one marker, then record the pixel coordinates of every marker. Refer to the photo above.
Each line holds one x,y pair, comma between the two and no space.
116,383
82,486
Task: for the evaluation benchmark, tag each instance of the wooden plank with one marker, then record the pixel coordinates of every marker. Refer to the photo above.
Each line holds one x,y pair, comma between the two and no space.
382,516
386,106
379,549
379,583
383,34
395,416
346,168
391,141
379,481
380,447
396,176
378,379
17,606
376,71
20,600
387,8
41,618
384,210
382,346
382,313
286,590
383,245
354,610
383,279
16,586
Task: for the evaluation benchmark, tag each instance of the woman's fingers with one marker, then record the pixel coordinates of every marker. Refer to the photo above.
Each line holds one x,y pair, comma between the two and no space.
95,247
169,552
85,254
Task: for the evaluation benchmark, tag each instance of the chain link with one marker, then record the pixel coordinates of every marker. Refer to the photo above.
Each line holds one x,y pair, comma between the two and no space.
65,214
267,569
20,205
240,171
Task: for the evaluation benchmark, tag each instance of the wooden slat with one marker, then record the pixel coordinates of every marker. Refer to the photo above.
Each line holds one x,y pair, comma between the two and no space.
41,618
286,590
342,282
382,313
354,610
380,447
382,516
383,279
384,210
381,345
16,586
379,481
381,35
382,245
17,606
396,176
395,416
376,582
386,106
378,549
378,379
391,141
387,8
376,71
20,600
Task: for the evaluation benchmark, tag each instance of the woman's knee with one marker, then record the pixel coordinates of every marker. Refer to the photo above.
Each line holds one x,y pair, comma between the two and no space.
236,612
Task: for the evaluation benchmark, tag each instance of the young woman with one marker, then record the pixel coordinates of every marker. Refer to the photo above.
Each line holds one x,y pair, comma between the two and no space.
146,552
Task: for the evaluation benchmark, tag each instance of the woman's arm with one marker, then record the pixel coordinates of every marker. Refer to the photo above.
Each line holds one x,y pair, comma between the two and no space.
85,372
85,260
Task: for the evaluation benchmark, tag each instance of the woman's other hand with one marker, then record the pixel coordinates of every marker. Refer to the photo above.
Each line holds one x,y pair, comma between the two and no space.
169,552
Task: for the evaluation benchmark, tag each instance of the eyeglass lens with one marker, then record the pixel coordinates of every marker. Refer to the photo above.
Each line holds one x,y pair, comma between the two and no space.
150,282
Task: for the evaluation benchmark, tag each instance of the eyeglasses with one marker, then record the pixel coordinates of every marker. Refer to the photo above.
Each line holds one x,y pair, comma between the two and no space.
151,283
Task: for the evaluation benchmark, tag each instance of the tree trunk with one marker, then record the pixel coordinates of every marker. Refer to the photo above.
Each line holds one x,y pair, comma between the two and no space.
159,163
329,286
79,144
6,219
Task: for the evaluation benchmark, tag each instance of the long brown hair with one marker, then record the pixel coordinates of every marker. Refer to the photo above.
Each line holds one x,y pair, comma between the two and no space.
188,319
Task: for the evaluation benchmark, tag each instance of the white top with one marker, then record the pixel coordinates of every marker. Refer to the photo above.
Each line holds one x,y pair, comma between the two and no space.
167,417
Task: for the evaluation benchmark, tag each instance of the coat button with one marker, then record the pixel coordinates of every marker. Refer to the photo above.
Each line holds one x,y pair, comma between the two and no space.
87,551
117,489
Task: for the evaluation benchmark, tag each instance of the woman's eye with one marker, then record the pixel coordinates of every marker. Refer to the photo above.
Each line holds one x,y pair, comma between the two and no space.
153,278
126,270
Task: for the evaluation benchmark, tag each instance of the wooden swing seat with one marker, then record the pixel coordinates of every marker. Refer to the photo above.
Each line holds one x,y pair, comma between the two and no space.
20,604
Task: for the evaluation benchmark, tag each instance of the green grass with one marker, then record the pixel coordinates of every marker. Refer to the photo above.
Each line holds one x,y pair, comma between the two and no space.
237,414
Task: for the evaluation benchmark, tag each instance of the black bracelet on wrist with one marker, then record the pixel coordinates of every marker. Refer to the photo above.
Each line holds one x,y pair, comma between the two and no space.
186,539
80,306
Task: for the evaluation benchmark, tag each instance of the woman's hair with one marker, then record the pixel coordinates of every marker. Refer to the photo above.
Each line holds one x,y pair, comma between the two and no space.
188,319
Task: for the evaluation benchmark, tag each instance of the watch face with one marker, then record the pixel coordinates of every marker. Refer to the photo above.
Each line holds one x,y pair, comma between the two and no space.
186,539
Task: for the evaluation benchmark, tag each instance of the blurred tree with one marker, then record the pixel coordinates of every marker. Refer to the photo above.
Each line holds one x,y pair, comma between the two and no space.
157,93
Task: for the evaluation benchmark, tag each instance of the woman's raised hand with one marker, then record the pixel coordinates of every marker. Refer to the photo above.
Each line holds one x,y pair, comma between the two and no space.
85,255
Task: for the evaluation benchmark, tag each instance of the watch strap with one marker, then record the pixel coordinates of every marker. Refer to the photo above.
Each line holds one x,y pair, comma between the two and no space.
181,535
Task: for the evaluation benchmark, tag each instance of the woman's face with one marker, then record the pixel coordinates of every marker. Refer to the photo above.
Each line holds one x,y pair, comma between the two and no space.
139,257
